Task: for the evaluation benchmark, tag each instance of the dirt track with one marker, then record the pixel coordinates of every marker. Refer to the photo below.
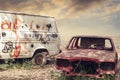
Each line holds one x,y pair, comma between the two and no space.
48,72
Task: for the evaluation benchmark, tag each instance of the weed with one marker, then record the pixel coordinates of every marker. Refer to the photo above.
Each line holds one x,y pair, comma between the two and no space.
16,65
106,77
27,65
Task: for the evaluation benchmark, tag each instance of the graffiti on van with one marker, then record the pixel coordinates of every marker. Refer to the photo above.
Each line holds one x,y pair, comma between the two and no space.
23,29
28,36
17,23
10,48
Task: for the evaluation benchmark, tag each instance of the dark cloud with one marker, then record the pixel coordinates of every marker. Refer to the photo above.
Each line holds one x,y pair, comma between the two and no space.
51,7
15,1
77,5
12,4
19,5
82,5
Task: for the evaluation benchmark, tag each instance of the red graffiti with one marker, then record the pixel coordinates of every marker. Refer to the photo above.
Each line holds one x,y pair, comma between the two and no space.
6,25
13,26
31,24
16,52
16,24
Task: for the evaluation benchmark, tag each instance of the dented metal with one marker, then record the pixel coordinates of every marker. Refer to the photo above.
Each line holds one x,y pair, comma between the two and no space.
88,56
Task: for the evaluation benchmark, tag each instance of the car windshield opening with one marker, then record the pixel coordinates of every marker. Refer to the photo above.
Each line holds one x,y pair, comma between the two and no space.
90,43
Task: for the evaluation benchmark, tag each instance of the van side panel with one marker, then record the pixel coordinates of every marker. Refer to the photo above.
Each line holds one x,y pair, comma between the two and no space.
22,34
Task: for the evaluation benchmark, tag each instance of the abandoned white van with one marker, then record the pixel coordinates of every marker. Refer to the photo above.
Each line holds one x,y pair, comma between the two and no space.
28,36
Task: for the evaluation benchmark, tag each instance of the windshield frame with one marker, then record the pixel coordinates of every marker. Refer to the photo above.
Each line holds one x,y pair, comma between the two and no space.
74,41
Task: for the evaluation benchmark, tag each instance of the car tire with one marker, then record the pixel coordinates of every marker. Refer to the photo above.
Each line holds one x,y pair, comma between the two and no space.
39,59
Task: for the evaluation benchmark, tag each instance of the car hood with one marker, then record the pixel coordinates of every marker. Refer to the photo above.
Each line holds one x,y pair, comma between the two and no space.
100,55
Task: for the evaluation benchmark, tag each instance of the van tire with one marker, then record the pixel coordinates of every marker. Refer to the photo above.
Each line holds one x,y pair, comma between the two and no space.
39,59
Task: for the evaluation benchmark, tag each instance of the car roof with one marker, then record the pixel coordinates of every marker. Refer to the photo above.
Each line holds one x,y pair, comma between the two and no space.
92,36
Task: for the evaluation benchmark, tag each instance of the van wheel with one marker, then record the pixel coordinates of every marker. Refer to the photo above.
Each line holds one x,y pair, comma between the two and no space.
39,59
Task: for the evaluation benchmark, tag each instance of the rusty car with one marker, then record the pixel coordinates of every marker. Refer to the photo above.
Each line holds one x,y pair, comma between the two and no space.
91,56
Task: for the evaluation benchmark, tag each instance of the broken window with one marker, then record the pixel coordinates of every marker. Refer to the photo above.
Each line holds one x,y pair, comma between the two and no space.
90,43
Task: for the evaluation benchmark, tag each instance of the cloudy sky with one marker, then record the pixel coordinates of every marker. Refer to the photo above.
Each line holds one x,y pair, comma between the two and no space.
73,17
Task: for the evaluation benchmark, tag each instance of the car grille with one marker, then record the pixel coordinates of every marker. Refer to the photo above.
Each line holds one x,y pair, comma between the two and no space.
84,67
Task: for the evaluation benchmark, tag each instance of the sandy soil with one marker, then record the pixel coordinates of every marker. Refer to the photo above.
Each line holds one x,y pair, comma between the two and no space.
47,72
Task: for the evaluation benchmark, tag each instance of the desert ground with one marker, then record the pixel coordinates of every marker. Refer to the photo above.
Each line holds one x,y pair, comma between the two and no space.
48,72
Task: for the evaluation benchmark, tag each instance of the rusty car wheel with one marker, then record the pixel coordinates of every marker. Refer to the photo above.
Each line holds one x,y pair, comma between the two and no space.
39,59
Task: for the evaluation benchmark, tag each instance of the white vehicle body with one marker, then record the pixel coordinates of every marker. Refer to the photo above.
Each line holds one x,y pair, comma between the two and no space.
22,35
